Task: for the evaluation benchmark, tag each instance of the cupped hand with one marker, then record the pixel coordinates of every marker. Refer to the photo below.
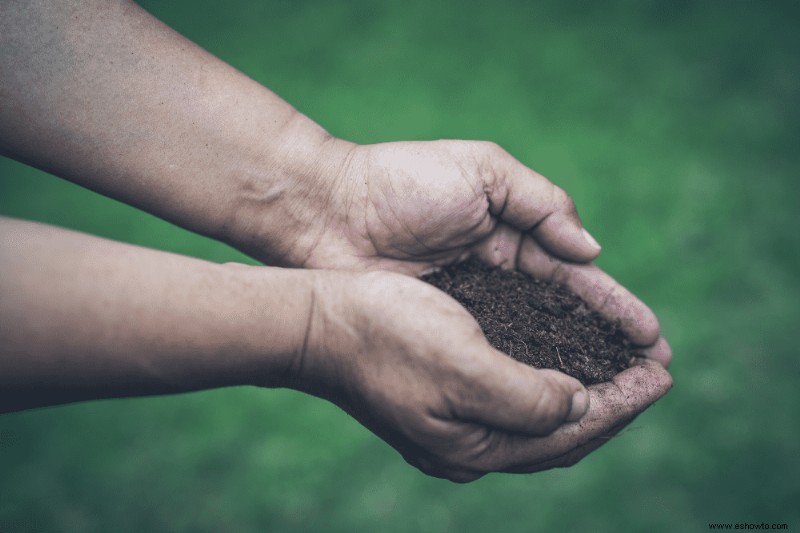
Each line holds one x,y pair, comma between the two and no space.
412,365
411,206
407,206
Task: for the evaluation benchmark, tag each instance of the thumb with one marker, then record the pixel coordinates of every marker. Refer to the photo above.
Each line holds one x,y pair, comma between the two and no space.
514,397
561,232
532,203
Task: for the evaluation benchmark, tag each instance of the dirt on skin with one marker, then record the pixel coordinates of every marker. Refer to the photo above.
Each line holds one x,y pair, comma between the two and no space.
536,322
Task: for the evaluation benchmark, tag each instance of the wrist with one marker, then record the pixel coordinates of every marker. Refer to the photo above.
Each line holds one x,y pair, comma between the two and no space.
333,334
351,319
282,203
270,323
133,321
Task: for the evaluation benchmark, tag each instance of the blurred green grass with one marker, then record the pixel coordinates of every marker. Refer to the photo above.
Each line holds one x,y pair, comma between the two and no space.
675,127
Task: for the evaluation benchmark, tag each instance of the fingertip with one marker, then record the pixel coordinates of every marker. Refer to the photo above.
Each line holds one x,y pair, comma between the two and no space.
660,352
563,236
569,396
644,383
575,395
592,242
641,324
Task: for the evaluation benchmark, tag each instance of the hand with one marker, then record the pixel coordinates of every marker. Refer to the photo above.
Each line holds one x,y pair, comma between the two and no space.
410,206
412,365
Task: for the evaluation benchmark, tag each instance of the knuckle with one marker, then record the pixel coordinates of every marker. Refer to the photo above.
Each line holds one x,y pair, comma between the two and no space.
434,468
476,453
563,201
472,451
491,148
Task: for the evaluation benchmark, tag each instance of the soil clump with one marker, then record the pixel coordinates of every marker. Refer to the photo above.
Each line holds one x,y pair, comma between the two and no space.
536,322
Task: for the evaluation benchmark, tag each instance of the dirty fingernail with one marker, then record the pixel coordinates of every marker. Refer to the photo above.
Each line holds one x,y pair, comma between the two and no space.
580,404
592,242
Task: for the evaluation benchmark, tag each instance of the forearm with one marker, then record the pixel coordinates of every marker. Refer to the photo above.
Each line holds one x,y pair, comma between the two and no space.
101,93
84,318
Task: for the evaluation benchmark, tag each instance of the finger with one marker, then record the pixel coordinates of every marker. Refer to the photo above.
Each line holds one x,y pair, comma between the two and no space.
529,201
659,352
597,288
505,394
612,405
500,248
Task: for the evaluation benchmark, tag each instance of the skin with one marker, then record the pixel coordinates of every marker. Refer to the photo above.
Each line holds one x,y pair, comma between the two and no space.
104,95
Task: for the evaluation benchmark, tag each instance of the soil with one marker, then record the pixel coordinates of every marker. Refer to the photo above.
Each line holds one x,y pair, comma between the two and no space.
539,323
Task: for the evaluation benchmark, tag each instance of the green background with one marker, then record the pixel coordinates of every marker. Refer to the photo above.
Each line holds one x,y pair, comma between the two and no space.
675,126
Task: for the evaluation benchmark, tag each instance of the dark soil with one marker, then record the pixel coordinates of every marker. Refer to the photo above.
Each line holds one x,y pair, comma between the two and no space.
536,322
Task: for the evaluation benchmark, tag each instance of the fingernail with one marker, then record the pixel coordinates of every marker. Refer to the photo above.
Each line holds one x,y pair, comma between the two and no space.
590,239
580,404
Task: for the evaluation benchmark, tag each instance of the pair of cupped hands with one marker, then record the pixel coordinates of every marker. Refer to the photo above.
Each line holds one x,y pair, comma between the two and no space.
414,366
110,98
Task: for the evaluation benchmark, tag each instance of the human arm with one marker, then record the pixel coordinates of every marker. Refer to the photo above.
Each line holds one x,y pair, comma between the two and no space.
105,95
84,318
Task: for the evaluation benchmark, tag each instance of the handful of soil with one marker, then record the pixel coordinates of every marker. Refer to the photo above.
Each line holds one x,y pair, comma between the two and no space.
536,322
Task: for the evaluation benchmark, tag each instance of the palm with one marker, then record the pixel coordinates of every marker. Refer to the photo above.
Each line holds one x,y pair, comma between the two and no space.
421,207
